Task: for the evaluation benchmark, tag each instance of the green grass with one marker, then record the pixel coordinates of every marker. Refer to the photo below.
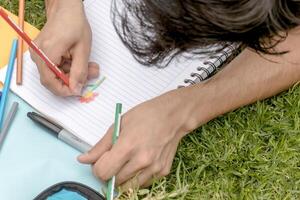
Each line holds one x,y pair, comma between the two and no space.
251,153
34,10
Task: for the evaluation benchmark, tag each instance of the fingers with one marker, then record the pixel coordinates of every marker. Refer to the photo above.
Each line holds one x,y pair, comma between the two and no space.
168,158
49,80
131,168
96,152
142,179
55,85
66,66
79,69
112,161
94,70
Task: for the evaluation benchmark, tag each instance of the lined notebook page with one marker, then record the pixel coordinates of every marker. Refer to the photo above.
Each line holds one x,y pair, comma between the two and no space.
126,81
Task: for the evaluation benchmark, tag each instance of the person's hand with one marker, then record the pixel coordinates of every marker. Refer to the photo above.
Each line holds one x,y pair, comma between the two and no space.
150,133
66,40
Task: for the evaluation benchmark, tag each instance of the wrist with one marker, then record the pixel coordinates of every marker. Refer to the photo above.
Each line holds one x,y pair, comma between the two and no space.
181,105
196,106
54,6
51,6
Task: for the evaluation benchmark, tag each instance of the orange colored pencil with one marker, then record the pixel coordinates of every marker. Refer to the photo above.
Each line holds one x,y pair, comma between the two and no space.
20,44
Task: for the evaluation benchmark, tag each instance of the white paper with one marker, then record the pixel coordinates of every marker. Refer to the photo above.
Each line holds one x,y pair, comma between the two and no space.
127,81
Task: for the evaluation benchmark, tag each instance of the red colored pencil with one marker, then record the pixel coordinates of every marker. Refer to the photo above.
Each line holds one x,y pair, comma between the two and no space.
35,48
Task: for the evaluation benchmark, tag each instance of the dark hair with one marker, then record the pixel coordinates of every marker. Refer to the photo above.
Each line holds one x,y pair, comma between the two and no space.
155,31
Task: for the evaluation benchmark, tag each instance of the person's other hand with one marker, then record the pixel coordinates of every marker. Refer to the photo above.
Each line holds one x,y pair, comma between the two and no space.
150,133
66,40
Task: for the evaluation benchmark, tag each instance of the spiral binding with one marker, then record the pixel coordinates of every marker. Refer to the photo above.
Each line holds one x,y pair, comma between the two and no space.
204,73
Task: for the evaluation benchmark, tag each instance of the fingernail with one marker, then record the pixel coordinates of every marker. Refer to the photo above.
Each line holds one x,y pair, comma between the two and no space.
85,154
82,156
78,89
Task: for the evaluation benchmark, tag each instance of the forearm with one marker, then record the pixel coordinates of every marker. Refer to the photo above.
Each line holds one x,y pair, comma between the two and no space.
247,79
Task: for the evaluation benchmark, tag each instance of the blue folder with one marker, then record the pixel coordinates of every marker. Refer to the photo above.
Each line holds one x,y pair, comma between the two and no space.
31,160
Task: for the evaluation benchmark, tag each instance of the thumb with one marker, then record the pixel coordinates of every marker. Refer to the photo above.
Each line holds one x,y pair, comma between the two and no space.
98,150
78,71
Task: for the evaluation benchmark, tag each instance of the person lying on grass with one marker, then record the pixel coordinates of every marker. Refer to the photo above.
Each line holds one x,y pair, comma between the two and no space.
151,131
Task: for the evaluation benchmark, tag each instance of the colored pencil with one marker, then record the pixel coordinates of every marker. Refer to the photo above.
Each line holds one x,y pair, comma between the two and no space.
117,124
35,48
9,72
20,44
1,88
7,122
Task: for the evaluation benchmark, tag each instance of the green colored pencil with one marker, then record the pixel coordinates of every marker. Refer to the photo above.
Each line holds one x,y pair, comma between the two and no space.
111,182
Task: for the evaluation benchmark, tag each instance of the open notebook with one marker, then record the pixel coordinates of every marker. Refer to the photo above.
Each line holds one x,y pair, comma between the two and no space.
126,81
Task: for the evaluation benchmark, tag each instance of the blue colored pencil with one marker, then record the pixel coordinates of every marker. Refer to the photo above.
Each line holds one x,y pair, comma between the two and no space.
9,72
